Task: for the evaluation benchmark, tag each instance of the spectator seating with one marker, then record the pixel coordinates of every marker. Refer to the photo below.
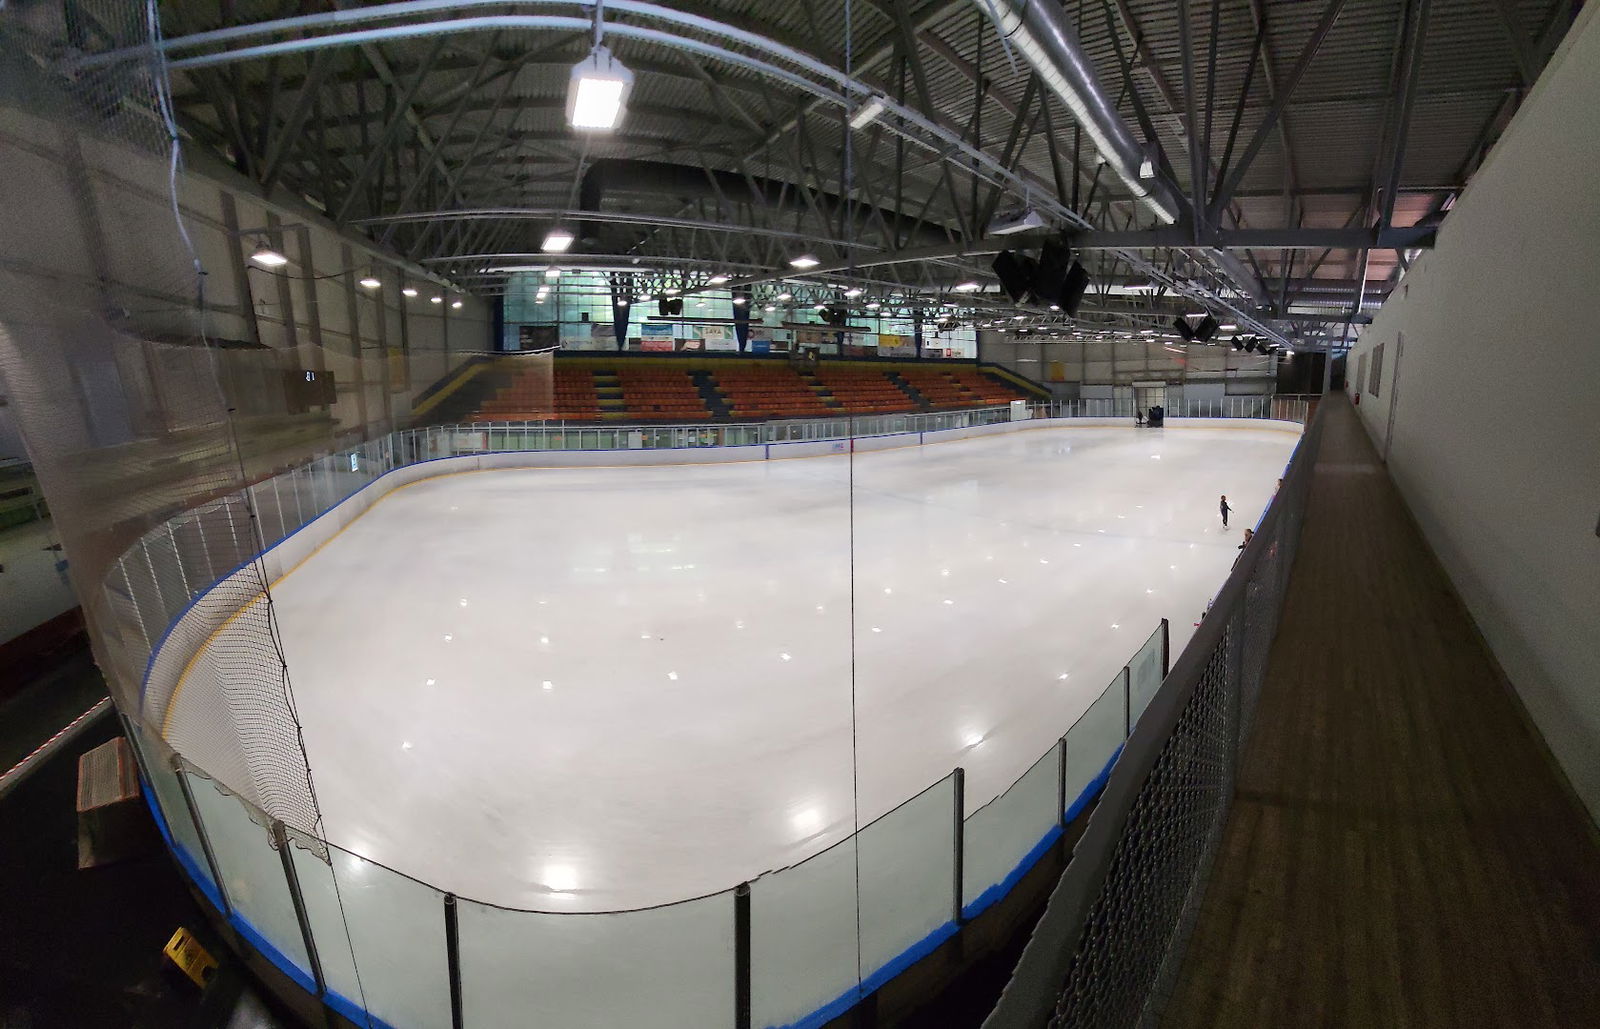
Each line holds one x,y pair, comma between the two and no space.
864,389
669,394
768,390
633,390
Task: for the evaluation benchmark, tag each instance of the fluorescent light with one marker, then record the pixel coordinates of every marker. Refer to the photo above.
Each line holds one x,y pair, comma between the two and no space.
822,307
370,282
456,304
623,302
717,280
769,307
1227,328
552,273
785,296
874,306
804,261
436,300
408,291
853,292
1025,222
1147,169
672,291
267,257
740,301
596,91
867,112
556,241
968,287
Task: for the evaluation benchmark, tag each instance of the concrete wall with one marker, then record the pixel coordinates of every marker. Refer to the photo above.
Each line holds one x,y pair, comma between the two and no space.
1487,394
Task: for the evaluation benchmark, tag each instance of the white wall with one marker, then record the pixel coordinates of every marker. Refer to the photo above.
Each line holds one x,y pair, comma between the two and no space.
1491,372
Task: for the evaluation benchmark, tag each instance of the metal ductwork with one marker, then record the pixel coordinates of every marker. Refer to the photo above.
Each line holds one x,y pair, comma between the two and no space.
1039,31
610,176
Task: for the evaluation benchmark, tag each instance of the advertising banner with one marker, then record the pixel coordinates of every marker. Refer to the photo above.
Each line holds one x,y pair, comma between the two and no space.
762,346
719,337
656,337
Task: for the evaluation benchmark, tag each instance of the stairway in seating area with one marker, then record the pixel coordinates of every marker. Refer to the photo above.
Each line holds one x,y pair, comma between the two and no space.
910,390
706,384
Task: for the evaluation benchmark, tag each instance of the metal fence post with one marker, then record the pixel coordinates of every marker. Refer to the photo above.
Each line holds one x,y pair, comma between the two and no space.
1127,704
741,956
1061,782
292,877
452,950
205,837
960,834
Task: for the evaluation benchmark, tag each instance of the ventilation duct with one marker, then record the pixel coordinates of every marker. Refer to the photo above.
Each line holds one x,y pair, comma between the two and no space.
1040,33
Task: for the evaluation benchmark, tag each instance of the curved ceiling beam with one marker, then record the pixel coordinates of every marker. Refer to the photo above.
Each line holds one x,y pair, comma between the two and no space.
564,214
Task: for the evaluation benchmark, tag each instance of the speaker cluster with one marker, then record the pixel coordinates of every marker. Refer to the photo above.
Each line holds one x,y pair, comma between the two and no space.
1053,277
668,307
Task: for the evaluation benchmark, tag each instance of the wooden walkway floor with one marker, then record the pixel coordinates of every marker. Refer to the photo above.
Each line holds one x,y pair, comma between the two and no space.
1401,851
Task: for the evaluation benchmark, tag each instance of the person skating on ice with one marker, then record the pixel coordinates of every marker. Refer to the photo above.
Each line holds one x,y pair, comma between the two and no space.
1225,510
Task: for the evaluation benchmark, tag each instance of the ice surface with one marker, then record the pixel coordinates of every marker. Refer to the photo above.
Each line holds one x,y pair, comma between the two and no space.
602,688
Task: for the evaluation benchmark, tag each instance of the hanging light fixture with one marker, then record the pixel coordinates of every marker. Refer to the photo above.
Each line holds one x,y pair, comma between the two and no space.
556,241
597,91
370,281
267,257
804,261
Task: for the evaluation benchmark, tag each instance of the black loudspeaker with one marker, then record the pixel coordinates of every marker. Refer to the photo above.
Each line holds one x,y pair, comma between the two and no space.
1182,325
675,306
1050,275
1015,272
1250,347
663,307
1206,329
1073,289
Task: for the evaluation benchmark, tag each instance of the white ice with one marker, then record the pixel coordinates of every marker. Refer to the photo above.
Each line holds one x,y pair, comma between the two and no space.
601,688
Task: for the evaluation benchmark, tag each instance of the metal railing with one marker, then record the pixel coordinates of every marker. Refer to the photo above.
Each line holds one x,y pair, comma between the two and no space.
1109,945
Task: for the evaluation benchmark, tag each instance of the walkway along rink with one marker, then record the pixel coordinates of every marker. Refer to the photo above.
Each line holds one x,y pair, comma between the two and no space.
1401,850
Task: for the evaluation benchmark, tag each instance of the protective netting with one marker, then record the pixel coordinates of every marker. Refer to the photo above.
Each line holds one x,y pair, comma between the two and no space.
184,405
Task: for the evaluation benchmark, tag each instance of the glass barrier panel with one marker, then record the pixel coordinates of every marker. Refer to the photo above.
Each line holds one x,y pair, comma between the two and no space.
1092,745
168,797
397,938
671,967
908,860
1007,835
803,940
253,878
1145,673
313,869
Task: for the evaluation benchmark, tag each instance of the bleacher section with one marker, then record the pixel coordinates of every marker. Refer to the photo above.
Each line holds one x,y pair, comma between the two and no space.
863,389
768,389
651,393
963,386
672,390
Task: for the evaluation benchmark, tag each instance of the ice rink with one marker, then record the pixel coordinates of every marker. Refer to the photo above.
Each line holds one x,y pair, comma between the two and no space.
601,688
